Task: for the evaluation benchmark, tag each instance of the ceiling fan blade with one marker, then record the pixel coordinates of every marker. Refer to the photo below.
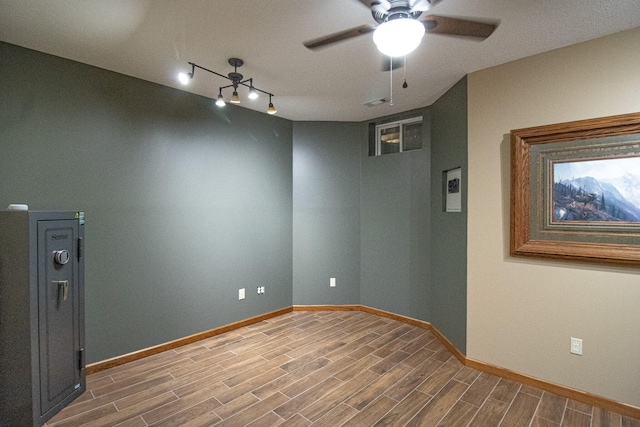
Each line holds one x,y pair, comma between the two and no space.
457,27
388,63
338,37
423,5
377,5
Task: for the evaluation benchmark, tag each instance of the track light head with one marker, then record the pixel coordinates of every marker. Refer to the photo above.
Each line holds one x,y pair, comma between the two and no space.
220,101
271,109
184,78
253,94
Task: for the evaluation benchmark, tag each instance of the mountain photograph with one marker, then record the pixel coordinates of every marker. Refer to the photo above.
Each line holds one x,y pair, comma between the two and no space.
597,191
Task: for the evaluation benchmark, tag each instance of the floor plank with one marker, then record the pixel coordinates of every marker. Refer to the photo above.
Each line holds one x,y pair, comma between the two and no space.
440,405
480,389
604,418
371,413
521,410
459,416
490,413
405,410
552,407
573,418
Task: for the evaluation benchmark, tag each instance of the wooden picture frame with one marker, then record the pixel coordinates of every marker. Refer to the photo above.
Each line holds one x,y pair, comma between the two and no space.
556,215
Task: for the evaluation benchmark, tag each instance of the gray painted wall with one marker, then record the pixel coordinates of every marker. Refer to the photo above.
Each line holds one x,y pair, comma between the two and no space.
184,203
395,226
326,212
449,230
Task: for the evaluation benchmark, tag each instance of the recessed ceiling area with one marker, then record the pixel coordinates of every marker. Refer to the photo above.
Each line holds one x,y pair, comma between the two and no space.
155,39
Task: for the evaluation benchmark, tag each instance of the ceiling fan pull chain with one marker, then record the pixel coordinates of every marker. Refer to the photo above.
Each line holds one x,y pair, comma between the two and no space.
405,85
391,82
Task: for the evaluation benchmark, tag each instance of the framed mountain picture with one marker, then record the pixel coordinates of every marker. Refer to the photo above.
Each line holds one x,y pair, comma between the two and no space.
575,191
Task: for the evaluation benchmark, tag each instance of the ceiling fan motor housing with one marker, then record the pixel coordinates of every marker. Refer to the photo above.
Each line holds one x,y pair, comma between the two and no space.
398,9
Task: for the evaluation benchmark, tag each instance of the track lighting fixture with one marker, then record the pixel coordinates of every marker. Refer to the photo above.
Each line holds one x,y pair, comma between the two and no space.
236,79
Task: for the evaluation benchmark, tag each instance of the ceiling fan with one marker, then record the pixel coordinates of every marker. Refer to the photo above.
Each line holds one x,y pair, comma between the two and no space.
400,26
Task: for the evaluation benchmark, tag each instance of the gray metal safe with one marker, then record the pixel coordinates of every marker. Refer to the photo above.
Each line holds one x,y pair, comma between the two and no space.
41,314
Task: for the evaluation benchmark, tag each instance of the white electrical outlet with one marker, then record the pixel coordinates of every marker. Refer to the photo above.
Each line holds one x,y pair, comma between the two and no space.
576,346
241,293
332,282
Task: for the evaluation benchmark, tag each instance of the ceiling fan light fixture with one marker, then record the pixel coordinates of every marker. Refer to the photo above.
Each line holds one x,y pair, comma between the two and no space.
398,37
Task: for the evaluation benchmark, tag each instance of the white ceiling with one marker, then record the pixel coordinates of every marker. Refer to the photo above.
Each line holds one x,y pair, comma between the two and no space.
154,39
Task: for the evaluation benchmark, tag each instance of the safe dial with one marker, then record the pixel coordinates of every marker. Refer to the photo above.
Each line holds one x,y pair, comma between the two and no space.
61,257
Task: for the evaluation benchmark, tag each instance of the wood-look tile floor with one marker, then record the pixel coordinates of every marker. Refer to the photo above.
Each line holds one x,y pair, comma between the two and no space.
318,368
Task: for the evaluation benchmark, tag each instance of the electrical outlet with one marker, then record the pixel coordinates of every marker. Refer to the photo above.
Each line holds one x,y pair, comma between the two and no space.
260,290
332,282
241,293
576,346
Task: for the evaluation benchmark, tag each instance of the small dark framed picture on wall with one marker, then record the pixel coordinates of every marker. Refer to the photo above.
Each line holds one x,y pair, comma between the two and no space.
453,190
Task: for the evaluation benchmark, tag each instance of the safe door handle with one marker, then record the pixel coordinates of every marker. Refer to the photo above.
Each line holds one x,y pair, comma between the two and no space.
63,288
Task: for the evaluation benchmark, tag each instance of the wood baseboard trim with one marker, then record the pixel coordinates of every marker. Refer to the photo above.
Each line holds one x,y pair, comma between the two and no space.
346,307
141,354
564,391
560,390
580,396
450,346
420,324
